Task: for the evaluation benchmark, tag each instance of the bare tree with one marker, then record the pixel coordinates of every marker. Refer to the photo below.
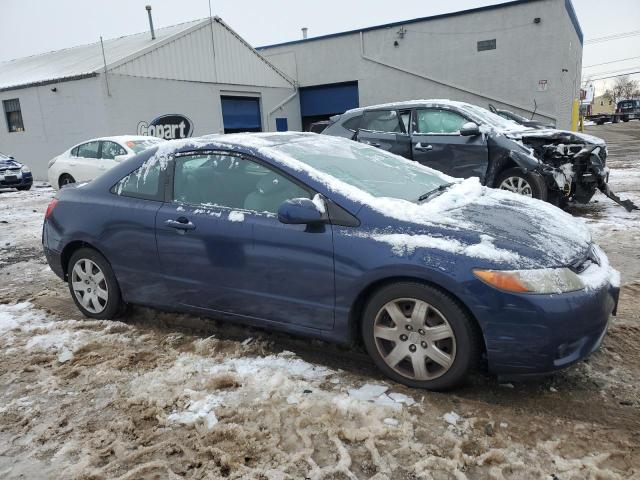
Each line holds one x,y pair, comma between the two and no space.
623,88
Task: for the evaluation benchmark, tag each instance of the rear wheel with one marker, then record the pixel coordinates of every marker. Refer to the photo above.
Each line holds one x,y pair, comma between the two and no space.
93,285
25,187
65,179
529,184
419,336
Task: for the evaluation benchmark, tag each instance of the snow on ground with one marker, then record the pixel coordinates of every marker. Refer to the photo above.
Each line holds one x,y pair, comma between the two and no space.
161,395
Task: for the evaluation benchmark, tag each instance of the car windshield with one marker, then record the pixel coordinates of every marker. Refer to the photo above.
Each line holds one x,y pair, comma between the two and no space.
483,116
370,169
140,145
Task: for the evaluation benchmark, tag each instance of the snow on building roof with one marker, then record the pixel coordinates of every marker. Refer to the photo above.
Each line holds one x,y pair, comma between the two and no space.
84,60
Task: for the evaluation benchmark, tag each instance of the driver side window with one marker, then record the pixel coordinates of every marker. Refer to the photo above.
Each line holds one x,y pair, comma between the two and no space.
434,121
233,182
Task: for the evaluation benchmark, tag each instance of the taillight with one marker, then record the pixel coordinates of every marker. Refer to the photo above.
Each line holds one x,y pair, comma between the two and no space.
52,205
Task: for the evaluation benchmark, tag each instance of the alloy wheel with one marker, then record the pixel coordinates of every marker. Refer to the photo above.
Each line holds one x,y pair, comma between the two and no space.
517,185
414,339
89,285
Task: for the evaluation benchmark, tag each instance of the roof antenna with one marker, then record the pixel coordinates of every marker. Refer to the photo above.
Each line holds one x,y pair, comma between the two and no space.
153,33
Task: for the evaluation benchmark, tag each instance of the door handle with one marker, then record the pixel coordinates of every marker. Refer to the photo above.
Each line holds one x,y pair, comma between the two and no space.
423,148
181,223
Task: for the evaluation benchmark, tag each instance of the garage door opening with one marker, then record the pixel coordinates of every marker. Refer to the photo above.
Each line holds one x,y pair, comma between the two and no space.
321,102
241,114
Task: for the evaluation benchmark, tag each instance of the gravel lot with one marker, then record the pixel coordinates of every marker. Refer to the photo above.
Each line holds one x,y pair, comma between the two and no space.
172,396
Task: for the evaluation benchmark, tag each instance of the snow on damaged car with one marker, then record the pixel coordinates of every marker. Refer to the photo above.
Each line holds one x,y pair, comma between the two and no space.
464,140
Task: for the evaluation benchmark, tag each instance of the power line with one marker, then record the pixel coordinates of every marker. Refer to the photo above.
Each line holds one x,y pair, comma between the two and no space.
617,70
615,36
614,76
612,61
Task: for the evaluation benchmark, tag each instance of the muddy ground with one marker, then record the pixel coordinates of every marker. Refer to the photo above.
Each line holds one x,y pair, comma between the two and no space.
161,395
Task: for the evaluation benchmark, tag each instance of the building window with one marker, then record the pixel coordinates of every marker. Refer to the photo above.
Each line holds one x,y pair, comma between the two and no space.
486,45
13,114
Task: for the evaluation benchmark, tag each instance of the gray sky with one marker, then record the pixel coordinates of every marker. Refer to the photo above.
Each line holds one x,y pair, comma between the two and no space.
34,26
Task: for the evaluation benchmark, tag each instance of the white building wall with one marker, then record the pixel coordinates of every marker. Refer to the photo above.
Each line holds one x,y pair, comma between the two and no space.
136,99
438,58
53,121
81,110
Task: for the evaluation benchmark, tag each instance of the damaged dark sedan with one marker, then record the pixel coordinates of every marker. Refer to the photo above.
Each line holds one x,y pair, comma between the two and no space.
464,140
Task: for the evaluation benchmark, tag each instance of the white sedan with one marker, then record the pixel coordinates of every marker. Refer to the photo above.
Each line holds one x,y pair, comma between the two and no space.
90,159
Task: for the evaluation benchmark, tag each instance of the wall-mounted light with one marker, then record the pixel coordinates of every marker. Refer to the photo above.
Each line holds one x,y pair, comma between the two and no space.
396,44
54,89
537,20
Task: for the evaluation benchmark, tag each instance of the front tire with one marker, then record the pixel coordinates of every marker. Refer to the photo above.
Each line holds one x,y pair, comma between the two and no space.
93,285
419,336
24,188
529,184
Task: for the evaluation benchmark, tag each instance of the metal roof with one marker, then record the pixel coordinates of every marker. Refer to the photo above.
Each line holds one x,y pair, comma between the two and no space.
568,6
85,60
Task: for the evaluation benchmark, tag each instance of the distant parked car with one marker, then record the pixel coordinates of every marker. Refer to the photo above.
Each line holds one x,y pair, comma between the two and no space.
520,119
14,174
318,127
464,140
628,110
87,160
328,238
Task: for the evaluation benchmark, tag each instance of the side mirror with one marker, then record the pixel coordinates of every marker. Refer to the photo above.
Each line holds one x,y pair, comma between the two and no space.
11,157
120,158
298,211
470,129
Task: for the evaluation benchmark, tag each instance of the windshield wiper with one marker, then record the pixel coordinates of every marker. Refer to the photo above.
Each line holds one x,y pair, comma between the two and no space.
435,191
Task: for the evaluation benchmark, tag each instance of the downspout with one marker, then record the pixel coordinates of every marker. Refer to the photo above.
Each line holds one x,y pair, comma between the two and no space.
439,82
283,103
104,59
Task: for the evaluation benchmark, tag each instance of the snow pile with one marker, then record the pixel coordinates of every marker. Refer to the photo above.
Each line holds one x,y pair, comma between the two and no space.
405,244
595,276
236,216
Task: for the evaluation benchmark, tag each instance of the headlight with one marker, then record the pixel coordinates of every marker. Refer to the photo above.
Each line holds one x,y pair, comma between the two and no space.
25,169
543,281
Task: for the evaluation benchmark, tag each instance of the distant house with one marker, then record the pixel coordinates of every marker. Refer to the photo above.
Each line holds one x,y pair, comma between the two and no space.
602,105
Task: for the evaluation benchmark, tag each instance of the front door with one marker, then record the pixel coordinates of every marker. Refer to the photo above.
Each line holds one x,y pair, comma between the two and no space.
108,152
436,142
388,130
223,249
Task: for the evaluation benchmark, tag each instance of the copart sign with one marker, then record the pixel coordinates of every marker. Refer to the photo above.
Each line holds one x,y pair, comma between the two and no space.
169,127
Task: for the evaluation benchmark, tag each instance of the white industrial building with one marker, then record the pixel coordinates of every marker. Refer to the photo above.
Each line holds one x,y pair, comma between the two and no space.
523,56
201,77
201,71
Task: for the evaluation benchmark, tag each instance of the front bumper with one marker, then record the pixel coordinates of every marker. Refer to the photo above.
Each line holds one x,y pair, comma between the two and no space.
14,181
534,335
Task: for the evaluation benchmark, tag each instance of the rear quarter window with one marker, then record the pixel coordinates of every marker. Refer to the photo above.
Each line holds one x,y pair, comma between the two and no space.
145,183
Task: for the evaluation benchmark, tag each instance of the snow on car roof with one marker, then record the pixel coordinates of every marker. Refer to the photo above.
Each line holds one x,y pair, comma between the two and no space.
478,114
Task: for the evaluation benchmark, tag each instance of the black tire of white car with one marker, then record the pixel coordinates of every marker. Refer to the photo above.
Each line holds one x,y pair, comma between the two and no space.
536,182
114,306
466,336
25,188
65,179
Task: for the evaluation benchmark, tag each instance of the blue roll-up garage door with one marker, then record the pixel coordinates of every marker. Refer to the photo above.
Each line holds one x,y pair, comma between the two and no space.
322,101
241,114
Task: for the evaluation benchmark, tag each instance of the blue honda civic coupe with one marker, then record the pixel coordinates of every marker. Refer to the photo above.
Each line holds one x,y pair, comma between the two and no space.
328,238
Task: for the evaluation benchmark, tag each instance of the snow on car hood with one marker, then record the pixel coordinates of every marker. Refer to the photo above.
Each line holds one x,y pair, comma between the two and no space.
561,135
9,163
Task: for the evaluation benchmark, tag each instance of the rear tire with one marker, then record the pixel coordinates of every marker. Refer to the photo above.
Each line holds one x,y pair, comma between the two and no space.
24,189
529,184
93,285
65,179
420,336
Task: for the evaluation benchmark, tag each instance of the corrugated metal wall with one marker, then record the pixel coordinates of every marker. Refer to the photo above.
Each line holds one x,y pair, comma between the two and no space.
190,57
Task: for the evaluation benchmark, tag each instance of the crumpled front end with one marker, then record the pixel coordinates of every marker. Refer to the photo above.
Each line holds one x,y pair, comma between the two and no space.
573,165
